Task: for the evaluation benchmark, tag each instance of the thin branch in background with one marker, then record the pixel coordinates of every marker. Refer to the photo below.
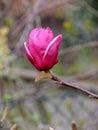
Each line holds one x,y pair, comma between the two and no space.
4,116
7,9
92,74
50,128
78,47
31,17
90,8
45,127
54,5
14,127
1,92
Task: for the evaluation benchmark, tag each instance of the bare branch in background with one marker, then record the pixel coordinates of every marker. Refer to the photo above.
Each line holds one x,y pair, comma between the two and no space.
25,23
7,9
90,8
4,116
30,19
78,47
14,127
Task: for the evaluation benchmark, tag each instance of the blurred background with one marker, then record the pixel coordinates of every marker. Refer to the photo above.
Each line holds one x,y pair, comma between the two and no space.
45,105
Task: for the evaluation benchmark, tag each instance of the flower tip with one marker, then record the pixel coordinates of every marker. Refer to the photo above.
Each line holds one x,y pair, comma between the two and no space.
60,35
48,28
25,44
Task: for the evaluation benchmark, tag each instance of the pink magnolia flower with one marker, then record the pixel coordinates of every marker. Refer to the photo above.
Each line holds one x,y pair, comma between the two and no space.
42,48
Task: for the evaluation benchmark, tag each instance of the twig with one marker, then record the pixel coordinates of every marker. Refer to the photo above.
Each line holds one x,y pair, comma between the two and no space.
28,74
4,115
70,85
74,126
14,127
45,127
31,74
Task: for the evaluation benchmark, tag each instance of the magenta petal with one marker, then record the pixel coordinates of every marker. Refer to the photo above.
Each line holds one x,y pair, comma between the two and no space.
28,52
41,37
51,53
42,48
53,47
30,57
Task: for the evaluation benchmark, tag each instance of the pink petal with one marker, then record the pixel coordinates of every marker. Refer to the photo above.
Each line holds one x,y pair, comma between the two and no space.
54,45
41,37
27,51
51,53
34,60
